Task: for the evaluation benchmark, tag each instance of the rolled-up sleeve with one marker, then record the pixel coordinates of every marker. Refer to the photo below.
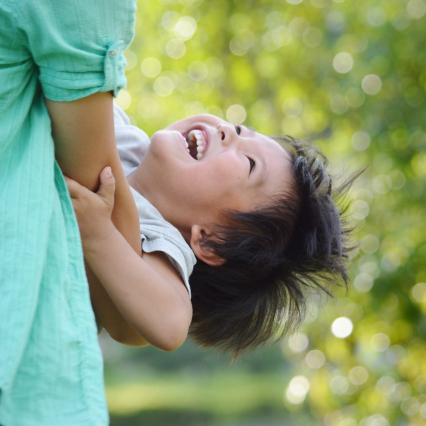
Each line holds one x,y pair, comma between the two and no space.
78,45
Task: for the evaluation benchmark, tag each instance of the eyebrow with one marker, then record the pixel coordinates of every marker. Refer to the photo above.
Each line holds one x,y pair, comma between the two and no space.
264,172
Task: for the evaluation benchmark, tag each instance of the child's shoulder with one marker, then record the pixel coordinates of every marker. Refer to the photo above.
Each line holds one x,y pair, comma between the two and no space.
157,234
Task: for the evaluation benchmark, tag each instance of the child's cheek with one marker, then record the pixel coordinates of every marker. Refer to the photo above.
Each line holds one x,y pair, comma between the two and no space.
224,167
223,177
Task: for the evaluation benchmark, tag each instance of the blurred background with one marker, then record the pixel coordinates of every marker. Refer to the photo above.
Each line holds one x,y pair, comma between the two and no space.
350,77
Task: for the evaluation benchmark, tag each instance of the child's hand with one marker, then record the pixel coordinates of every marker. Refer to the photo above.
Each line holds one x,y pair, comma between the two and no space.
93,209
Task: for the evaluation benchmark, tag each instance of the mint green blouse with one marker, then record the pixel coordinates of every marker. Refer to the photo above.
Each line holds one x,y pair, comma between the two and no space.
51,370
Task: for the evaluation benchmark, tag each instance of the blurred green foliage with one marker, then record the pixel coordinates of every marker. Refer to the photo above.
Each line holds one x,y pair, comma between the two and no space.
350,77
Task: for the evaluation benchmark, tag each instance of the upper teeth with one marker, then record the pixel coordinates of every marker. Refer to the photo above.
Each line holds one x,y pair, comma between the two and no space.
196,136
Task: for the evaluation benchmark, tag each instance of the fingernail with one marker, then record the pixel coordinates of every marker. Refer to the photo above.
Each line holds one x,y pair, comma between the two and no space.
108,171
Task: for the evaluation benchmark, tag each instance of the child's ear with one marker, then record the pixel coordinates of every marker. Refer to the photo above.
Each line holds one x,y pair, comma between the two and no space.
201,250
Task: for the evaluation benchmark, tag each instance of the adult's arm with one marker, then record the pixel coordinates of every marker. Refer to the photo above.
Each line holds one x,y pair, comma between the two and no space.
83,131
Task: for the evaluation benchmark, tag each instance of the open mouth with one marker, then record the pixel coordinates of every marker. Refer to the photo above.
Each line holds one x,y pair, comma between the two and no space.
196,143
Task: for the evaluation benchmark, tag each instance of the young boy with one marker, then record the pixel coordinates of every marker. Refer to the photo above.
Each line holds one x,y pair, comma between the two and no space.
258,216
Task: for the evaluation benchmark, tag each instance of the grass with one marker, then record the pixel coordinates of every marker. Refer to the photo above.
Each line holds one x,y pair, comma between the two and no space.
223,395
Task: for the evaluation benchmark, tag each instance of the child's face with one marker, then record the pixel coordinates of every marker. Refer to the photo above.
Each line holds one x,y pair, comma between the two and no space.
190,192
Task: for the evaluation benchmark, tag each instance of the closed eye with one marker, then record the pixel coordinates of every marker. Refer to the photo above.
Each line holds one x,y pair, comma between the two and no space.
252,163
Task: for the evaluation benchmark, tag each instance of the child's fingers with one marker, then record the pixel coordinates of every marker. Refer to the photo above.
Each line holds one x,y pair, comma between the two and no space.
74,187
107,187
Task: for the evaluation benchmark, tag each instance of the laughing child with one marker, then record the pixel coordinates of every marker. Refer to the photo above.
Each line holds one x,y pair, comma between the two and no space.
236,227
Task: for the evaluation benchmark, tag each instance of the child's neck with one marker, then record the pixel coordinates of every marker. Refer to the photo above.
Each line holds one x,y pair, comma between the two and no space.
135,181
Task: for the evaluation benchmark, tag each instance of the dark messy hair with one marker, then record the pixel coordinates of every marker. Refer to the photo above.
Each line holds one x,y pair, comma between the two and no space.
273,255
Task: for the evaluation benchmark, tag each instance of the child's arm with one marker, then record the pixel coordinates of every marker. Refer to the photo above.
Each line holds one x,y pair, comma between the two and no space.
147,291
109,316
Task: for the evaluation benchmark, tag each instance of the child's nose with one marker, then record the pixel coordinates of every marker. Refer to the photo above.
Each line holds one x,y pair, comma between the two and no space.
228,134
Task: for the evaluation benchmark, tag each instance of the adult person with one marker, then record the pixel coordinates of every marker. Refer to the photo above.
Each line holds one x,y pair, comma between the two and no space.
60,64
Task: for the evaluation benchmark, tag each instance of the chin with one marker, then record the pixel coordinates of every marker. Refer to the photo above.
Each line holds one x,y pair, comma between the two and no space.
161,144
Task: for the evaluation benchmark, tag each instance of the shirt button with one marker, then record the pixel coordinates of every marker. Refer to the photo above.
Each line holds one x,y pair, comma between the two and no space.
112,53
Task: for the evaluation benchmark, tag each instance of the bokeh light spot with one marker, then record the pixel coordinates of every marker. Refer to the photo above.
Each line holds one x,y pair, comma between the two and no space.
315,359
299,25
395,354
335,21
401,391
398,179
419,292
241,43
175,48
185,28
355,97
297,389
359,209
275,38
342,327
416,9
163,86
312,37
169,19
386,384
198,70
370,244
358,375
410,406
363,282
390,262
338,104
151,67
400,20
339,385
361,140
380,342
343,62
375,16
371,84
298,342
282,35
382,184
236,114
275,19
